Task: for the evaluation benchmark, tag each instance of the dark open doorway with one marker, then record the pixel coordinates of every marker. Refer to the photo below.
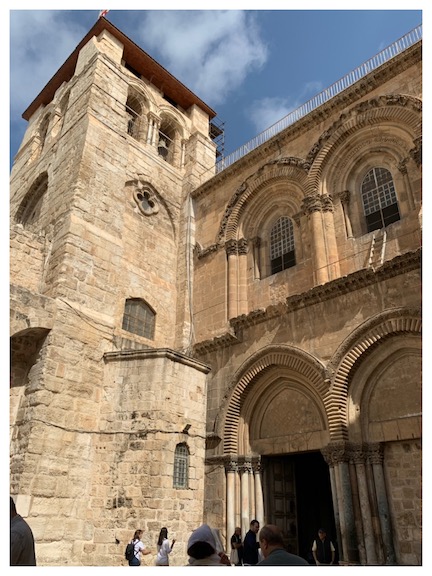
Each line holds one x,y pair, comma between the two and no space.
297,498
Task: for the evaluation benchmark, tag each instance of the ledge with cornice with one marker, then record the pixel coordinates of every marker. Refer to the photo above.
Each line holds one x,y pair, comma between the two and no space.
338,103
355,281
151,353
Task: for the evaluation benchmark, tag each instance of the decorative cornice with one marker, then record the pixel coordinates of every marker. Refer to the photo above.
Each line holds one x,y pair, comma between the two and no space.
147,354
369,83
345,285
221,341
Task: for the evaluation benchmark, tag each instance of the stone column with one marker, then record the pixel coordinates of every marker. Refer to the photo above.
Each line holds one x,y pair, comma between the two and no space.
403,170
155,132
231,250
344,198
338,454
359,456
182,152
256,243
242,283
244,489
259,500
299,252
312,206
330,237
375,453
231,471
151,128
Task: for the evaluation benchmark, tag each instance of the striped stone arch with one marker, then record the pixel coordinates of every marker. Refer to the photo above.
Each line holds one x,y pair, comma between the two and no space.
353,350
276,356
140,89
400,109
294,169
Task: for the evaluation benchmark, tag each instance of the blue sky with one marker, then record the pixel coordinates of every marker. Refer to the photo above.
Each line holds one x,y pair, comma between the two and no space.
251,66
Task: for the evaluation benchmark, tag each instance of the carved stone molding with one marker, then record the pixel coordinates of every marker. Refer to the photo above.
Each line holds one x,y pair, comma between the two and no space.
416,152
375,453
344,196
312,203
242,246
327,203
231,247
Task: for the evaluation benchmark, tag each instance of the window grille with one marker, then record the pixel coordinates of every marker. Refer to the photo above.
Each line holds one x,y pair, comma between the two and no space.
139,318
282,253
379,199
181,466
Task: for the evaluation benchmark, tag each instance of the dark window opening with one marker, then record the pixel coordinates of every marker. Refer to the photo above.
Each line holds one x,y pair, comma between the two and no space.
138,318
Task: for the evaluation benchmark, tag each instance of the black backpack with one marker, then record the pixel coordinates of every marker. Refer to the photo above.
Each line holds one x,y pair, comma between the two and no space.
129,552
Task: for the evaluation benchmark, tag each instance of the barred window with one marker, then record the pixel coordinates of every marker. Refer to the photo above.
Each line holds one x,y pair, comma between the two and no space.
282,253
139,318
181,466
380,203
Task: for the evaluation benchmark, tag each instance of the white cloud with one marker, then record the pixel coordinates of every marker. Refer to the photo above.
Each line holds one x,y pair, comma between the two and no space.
40,42
211,52
267,111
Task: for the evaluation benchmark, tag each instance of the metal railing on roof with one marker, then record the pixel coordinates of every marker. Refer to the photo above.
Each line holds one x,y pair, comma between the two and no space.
358,73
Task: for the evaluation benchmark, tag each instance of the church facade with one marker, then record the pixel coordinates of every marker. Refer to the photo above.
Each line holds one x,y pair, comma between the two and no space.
195,344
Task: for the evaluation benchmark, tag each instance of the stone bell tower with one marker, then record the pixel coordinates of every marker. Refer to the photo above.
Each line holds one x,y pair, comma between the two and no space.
107,407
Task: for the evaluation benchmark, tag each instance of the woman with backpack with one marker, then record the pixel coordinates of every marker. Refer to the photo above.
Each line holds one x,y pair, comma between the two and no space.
164,548
135,548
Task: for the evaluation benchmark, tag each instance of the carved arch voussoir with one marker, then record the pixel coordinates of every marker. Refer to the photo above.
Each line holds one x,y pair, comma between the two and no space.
278,356
284,169
403,109
355,348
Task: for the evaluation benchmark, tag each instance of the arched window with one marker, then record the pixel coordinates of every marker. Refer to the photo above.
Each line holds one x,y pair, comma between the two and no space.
380,203
34,204
43,131
181,466
133,111
139,318
168,140
282,253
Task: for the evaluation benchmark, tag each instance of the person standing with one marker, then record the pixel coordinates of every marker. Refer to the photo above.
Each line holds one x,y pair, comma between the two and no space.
202,549
164,548
22,546
272,547
250,545
139,549
323,549
236,548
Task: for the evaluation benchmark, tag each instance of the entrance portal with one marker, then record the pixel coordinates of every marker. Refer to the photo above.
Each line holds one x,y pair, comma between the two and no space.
298,499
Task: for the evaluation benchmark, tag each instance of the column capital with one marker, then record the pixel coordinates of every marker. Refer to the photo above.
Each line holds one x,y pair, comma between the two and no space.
336,453
312,203
357,453
231,464
344,196
242,246
327,203
231,247
375,453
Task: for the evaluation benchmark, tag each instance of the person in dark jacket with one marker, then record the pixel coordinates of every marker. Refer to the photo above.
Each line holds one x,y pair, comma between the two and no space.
272,548
250,545
22,546
323,549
